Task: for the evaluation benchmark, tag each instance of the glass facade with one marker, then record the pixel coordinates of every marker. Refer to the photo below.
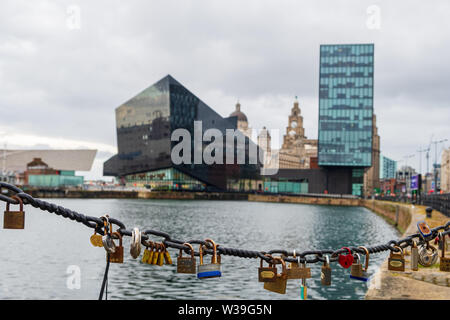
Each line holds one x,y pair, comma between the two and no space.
346,105
165,179
388,168
144,127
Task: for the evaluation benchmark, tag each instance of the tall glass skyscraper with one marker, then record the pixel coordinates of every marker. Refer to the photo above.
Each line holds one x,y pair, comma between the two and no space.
346,108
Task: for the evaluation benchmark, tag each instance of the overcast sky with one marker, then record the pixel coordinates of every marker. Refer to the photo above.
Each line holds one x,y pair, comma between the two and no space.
66,65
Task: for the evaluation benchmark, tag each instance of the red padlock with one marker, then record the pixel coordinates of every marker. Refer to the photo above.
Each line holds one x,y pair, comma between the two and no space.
347,260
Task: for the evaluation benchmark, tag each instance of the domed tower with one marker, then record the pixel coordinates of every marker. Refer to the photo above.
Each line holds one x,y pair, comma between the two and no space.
242,122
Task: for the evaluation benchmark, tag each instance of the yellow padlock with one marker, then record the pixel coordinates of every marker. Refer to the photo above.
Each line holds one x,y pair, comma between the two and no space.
167,258
155,254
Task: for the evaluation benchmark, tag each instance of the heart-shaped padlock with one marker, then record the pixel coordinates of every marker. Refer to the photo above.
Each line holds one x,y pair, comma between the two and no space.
347,260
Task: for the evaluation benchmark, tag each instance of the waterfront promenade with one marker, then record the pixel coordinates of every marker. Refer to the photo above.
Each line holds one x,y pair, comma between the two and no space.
424,284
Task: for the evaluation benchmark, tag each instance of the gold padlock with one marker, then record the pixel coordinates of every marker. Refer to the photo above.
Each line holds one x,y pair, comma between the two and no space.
156,254
167,257
444,263
185,264
267,274
294,271
145,255
96,239
161,255
14,219
117,255
279,285
151,253
396,261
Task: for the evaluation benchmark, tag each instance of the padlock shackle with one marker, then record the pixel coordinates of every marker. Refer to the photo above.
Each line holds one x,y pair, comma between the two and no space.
214,256
118,235
20,203
200,253
266,255
283,264
190,247
367,257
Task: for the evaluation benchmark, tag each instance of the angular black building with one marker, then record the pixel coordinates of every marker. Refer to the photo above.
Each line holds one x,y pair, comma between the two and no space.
145,124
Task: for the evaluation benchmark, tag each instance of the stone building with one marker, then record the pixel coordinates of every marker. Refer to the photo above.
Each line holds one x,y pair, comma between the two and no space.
372,175
242,121
445,171
297,149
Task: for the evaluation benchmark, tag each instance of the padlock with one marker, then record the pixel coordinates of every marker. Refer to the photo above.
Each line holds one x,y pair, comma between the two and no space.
96,239
347,260
107,242
156,253
14,219
303,287
325,274
396,261
356,269
167,257
135,246
211,270
414,256
424,231
151,253
279,285
444,263
428,255
185,264
267,274
117,255
146,255
358,272
295,272
161,255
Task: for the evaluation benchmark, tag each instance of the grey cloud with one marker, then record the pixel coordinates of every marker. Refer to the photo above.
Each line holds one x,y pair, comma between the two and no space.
60,82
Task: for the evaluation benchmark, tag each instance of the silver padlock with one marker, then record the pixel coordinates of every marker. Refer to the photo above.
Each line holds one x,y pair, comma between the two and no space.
428,255
135,246
211,270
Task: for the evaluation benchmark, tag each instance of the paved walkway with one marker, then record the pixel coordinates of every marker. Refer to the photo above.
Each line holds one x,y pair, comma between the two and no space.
424,284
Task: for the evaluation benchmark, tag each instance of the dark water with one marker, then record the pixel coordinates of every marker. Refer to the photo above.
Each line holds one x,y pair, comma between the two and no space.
36,263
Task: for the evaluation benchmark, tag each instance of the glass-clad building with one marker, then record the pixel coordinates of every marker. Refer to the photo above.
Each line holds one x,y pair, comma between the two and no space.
388,168
145,124
346,112
346,105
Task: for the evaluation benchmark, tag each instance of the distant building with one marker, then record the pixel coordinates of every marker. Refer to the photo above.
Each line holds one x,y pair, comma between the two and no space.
242,121
403,175
372,175
297,149
345,146
21,164
39,174
145,124
388,167
445,171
